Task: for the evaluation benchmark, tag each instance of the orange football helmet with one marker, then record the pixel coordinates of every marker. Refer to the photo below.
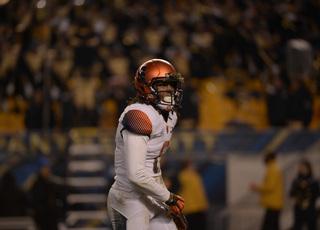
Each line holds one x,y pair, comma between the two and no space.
155,71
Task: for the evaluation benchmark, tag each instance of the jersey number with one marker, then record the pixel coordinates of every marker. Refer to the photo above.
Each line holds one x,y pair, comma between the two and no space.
164,148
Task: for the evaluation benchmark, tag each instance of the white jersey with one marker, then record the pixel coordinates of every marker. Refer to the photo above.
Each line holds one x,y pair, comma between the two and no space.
142,137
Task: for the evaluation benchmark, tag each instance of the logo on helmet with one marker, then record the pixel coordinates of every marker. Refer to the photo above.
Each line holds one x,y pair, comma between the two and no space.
142,74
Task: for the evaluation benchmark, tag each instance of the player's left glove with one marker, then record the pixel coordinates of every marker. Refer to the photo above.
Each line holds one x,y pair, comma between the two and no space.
179,219
176,204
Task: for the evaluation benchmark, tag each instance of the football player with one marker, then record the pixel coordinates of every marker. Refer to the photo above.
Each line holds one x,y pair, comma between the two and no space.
138,199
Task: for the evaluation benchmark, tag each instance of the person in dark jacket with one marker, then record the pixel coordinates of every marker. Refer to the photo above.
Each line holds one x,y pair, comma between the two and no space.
35,117
305,191
300,104
13,200
47,198
277,99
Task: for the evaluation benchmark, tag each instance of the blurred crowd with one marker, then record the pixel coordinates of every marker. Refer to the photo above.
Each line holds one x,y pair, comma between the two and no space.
44,200
78,58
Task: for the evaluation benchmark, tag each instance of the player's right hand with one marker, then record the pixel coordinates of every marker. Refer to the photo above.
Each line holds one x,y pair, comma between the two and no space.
176,204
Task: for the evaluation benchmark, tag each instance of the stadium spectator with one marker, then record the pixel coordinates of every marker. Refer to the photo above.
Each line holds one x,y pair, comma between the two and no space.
277,102
193,191
271,192
300,104
47,198
305,191
35,116
190,106
83,87
13,200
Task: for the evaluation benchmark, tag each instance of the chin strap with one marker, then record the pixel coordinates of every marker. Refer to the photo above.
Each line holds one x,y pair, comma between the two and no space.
164,107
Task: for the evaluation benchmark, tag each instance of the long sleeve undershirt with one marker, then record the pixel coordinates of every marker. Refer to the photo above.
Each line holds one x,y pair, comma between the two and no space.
135,158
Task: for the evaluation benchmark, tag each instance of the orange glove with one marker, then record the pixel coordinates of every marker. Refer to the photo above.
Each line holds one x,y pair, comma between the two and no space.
179,219
176,204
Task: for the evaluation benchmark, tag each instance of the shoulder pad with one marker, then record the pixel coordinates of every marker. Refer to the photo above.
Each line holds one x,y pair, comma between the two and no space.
138,122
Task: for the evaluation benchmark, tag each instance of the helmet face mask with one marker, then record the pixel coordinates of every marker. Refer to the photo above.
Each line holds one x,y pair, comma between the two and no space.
172,97
157,72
